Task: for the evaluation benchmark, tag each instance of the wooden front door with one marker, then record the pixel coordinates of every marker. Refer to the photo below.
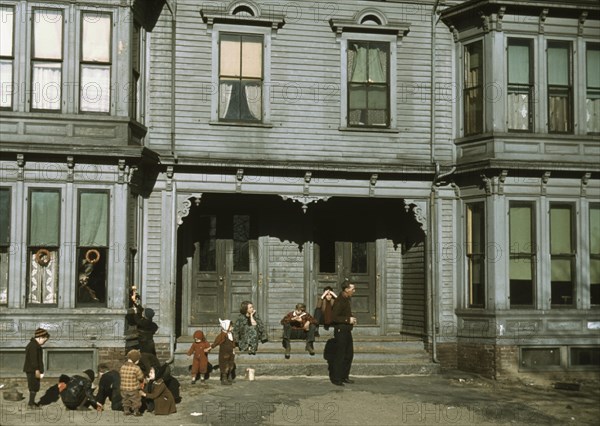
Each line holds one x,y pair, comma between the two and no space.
225,268
339,261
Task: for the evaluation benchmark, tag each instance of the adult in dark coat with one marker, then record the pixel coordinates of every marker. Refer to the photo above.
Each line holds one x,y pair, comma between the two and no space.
343,321
147,361
109,386
34,364
78,392
146,329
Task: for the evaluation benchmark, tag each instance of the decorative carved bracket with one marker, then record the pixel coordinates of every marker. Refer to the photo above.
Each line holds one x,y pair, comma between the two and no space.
485,22
582,19
456,189
500,16
121,175
307,178
545,178
418,209
455,33
487,184
70,168
501,180
21,166
584,181
305,200
543,17
239,177
184,203
372,183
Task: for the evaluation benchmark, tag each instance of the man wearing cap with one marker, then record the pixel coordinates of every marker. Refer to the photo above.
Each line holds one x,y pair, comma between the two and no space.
34,364
146,329
78,392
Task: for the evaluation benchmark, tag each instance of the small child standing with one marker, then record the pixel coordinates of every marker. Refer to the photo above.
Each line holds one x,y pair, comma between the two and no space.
226,351
34,364
131,379
200,359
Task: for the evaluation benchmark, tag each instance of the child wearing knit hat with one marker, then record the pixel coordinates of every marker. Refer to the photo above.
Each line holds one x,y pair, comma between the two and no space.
34,364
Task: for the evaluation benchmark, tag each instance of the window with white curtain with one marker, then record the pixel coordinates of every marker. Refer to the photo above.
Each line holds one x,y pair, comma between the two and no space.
473,88
95,62
240,77
520,85
7,26
43,246
368,84
92,248
592,101
560,87
47,60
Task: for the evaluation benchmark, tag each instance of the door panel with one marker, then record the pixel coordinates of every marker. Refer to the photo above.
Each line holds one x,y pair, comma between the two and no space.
336,262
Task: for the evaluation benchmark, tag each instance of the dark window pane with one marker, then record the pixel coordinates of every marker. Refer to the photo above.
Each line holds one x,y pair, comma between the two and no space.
91,276
327,257
4,216
241,248
208,244
359,258
585,356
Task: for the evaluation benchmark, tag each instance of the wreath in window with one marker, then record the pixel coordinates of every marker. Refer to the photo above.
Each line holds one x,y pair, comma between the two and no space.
92,256
43,257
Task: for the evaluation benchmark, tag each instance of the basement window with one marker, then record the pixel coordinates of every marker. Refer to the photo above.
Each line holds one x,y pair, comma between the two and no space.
585,357
540,358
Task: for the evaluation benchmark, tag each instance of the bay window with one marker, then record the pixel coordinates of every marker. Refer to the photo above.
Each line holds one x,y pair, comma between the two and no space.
43,246
520,84
522,255
595,254
7,58
562,255
475,250
368,84
240,77
95,62
47,60
560,87
592,101
473,88
92,248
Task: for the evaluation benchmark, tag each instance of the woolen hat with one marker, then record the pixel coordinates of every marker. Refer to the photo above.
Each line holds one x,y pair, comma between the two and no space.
149,313
41,332
90,374
134,355
64,378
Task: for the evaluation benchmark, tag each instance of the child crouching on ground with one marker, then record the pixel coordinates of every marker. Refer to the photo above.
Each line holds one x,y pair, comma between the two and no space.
131,379
226,351
200,357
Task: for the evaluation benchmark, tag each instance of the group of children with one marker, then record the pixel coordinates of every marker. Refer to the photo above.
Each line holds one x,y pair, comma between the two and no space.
200,349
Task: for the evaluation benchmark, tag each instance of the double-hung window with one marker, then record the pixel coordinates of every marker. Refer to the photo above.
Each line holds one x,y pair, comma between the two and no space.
95,62
475,239
4,243
92,248
368,84
562,255
560,87
595,254
240,77
473,88
47,60
136,71
43,246
7,20
522,255
592,101
520,85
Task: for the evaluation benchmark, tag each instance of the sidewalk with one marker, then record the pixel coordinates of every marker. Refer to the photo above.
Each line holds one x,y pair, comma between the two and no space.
451,398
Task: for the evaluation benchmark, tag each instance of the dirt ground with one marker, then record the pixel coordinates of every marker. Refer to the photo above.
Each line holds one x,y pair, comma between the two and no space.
450,398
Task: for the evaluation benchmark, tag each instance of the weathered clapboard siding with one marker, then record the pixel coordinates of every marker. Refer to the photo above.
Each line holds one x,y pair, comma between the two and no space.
393,295
413,291
446,286
154,249
285,279
305,56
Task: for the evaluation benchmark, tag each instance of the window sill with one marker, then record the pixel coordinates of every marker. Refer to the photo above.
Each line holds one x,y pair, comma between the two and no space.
240,124
369,129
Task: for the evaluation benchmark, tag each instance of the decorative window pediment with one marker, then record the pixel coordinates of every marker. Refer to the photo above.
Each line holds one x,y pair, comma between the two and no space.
370,21
241,13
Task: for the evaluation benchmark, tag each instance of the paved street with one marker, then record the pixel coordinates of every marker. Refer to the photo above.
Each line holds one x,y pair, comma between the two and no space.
450,398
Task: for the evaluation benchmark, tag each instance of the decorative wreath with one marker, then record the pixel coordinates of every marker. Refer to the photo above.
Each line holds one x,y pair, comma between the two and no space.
43,257
92,256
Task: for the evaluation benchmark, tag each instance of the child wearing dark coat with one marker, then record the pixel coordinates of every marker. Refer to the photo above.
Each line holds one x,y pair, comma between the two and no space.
34,364
200,357
226,351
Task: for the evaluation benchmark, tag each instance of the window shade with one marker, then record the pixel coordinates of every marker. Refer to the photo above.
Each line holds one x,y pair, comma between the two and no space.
518,64
560,230
93,219
44,219
593,66
558,65
520,229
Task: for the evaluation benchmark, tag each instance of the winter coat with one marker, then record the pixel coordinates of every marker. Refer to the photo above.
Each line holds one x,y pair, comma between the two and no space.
200,361
78,392
248,336
33,357
164,402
